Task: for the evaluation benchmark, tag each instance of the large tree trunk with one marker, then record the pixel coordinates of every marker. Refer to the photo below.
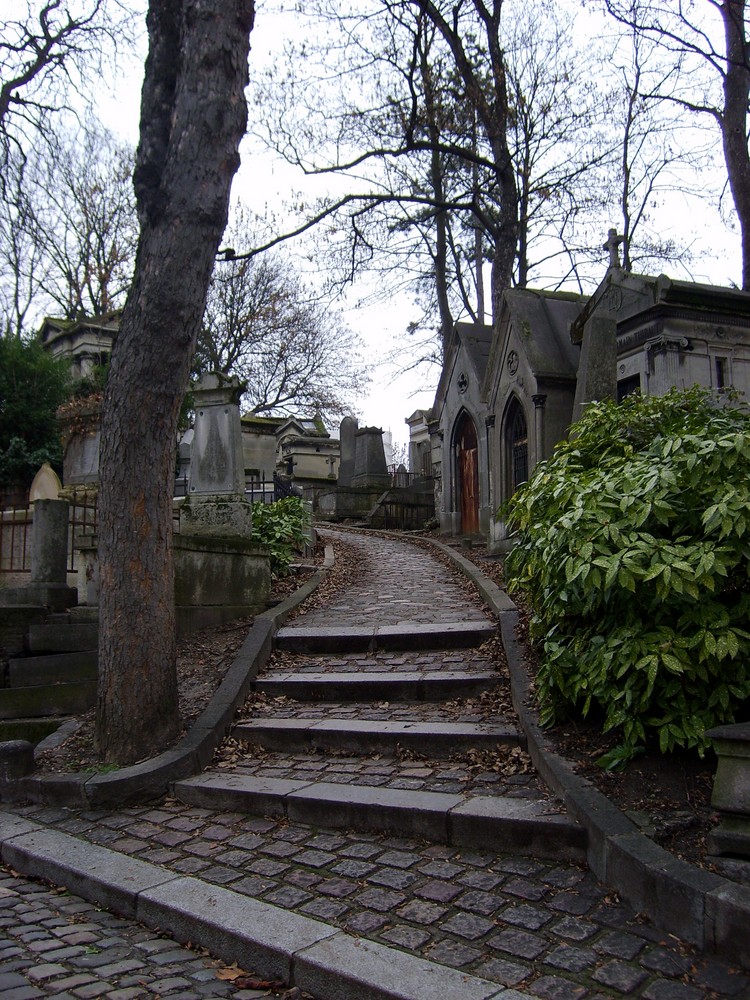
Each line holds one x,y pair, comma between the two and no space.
193,116
734,122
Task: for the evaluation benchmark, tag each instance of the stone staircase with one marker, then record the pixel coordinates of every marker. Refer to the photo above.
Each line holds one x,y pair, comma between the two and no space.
54,679
387,728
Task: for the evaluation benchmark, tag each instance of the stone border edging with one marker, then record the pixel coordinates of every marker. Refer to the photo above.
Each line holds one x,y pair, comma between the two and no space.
698,906
277,943
152,778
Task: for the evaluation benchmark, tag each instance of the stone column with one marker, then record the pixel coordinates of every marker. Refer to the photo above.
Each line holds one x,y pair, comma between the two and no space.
49,542
347,430
539,399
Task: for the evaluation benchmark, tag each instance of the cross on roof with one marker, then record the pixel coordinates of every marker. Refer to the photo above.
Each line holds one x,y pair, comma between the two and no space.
613,244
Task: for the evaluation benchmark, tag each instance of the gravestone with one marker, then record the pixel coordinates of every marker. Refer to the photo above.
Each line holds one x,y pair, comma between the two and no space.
46,484
370,469
347,430
217,463
48,580
220,572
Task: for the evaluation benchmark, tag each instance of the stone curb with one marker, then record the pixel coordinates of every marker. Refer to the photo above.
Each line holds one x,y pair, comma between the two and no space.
698,906
275,943
152,778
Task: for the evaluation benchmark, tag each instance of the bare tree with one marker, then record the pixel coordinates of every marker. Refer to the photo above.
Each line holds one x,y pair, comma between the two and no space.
193,116
287,344
86,222
22,263
48,49
707,46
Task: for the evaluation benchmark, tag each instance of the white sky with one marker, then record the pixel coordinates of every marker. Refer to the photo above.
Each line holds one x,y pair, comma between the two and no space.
263,183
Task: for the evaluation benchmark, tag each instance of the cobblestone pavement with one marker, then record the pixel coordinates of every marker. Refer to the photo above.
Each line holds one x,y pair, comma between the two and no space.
547,928
54,944
397,584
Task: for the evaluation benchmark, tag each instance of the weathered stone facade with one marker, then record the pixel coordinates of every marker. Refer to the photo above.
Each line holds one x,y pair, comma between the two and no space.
507,395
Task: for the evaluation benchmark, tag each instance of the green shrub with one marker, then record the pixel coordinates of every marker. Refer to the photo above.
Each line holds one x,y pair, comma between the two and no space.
32,386
634,553
282,526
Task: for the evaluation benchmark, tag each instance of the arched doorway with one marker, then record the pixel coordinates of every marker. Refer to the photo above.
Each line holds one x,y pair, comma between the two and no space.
467,469
516,446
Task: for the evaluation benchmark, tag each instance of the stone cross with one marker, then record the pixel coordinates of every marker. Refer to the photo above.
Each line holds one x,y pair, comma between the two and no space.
613,245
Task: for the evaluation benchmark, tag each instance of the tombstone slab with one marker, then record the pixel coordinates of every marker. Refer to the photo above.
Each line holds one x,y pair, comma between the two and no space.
217,463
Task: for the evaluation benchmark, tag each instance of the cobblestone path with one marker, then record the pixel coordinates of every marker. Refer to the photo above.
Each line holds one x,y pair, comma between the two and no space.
546,928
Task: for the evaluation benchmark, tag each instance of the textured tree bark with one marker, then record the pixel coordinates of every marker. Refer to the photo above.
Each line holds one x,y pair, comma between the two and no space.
734,122
193,116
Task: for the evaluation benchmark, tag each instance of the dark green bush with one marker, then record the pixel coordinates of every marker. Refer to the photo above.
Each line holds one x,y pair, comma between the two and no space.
282,526
634,553
32,386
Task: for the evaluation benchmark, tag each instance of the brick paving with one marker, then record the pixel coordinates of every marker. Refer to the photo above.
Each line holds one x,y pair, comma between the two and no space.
382,661
547,928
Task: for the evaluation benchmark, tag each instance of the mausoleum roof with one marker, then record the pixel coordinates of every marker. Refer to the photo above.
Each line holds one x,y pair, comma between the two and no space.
541,321
476,339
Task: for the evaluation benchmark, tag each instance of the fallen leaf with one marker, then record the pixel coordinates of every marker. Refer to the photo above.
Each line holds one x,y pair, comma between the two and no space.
230,973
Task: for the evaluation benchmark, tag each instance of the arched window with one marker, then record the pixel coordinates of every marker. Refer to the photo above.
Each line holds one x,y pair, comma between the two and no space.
516,446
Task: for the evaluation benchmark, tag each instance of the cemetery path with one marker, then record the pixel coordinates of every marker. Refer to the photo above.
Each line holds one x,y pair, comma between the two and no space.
376,813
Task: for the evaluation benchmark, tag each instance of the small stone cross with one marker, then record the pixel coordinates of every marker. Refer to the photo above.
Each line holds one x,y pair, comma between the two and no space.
613,244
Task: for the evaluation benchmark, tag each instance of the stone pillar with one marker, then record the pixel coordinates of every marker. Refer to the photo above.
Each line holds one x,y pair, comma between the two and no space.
666,355
731,790
49,542
217,464
489,429
369,459
347,430
539,399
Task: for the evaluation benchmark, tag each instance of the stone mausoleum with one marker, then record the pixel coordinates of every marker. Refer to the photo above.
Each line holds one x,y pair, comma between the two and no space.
508,394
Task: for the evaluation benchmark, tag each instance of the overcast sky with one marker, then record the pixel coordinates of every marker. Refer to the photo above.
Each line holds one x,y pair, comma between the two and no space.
264,184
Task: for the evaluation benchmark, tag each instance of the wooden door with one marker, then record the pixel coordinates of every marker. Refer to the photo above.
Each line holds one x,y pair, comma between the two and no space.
468,475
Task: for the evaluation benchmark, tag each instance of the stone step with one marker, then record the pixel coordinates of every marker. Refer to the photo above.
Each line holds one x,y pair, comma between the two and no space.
47,700
436,739
357,639
51,668
520,826
33,730
63,637
382,686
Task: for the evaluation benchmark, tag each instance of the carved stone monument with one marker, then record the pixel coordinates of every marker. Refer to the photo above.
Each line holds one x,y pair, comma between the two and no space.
370,469
220,573
347,431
